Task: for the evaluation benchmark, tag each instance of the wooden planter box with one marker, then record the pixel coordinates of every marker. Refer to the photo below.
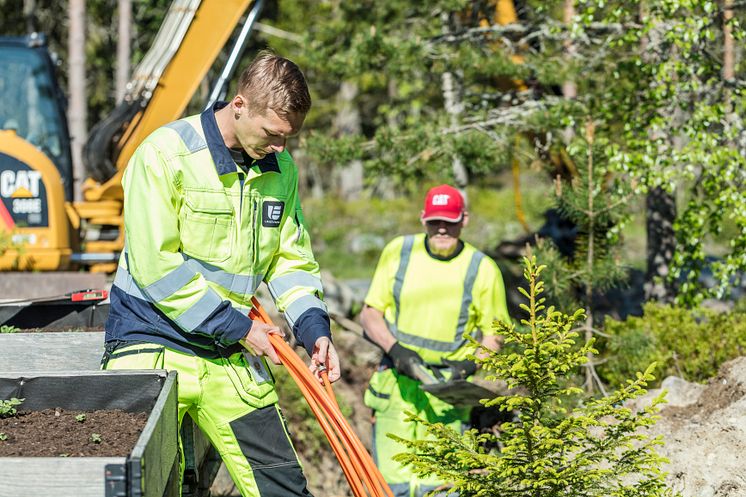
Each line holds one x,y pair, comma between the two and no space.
150,470
82,351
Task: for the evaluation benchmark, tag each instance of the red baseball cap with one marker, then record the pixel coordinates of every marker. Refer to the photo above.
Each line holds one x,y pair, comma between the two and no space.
443,203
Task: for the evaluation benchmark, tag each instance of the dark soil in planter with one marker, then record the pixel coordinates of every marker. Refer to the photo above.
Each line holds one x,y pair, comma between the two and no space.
57,433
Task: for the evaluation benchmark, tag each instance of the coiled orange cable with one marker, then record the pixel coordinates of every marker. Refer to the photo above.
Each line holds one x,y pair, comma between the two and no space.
357,465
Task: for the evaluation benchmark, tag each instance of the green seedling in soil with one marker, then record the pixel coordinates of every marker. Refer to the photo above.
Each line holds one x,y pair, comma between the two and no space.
7,407
95,438
3,437
8,329
80,418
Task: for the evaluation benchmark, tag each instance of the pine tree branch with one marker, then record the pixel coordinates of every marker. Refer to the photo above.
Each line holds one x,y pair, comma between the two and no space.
511,116
550,30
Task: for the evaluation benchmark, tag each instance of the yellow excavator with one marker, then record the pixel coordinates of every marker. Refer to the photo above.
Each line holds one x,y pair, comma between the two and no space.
47,230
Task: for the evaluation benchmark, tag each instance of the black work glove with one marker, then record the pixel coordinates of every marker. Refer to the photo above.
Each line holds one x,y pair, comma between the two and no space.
405,360
460,370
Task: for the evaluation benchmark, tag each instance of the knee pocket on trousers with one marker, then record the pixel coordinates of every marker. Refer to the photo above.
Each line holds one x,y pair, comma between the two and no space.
264,443
281,481
263,438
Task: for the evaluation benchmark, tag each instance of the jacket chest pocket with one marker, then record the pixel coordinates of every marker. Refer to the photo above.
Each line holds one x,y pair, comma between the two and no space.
207,225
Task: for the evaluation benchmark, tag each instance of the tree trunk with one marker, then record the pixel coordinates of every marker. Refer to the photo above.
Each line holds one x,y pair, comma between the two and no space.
77,113
451,95
29,10
124,43
661,243
347,122
729,54
569,88
729,65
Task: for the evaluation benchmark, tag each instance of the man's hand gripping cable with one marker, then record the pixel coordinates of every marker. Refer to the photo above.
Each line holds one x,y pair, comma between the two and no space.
361,472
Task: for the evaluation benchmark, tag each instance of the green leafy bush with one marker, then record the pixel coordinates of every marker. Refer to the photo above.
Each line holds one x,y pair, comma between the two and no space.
550,449
689,343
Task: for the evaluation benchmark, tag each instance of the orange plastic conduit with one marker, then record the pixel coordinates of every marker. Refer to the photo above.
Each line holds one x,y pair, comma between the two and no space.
357,465
319,403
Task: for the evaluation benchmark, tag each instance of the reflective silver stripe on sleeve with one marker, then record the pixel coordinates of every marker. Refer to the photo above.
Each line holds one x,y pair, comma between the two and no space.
298,307
241,308
406,252
378,394
240,284
193,141
126,283
282,284
170,283
196,314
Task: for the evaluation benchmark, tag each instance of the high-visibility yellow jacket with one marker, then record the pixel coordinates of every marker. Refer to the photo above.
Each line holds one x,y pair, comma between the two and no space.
201,235
431,304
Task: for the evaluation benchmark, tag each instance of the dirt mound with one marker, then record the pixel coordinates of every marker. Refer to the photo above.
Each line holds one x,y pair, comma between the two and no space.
704,429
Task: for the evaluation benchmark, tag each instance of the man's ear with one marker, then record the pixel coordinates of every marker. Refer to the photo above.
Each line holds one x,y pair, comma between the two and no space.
238,104
422,221
465,220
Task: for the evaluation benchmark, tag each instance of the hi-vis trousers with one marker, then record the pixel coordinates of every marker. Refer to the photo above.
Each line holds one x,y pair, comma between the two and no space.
391,396
233,401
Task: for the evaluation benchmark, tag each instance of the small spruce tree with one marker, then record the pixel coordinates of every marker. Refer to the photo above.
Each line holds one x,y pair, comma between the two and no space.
550,449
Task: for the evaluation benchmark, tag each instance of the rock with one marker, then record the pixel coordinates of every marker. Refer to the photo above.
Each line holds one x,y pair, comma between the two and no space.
704,428
681,392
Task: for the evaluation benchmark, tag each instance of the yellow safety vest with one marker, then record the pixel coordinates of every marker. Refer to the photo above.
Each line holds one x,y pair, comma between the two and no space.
430,305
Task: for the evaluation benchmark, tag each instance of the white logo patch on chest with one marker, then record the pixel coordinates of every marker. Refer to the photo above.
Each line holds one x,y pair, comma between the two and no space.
272,213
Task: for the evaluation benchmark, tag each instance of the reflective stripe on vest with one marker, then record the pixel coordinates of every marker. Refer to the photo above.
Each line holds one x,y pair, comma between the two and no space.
427,343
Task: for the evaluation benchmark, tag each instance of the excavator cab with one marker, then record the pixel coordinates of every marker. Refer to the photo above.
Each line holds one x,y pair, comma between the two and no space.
35,161
32,105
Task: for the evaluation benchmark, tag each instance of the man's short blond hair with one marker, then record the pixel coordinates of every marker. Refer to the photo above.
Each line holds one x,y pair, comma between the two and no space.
274,82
